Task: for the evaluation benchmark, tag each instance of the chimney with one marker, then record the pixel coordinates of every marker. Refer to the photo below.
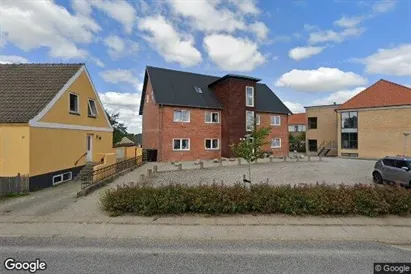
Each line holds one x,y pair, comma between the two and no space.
335,103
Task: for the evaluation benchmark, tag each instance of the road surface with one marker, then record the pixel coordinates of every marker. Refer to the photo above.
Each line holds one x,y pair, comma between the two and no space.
76,255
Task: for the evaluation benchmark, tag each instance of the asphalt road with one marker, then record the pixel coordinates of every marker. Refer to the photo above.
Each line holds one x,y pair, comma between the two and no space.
76,255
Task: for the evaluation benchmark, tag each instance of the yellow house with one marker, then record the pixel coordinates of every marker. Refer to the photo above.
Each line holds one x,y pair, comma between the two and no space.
51,122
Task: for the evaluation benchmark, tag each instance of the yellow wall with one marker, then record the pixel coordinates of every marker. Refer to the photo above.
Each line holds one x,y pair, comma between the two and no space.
57,149
14,149
380,133
60,111
326,125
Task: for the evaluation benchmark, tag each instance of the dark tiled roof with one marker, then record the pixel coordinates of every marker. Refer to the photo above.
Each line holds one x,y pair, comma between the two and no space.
381,94
176,88
25,89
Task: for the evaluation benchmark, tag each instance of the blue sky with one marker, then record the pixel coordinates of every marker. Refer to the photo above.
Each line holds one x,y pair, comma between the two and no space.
308,52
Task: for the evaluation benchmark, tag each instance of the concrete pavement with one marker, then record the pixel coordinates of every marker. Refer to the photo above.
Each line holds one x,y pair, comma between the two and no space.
74,255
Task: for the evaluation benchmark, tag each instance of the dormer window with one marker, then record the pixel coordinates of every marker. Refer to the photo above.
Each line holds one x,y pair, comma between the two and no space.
198,89
249,96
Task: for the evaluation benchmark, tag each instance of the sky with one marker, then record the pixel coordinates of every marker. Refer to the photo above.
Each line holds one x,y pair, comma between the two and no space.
307,52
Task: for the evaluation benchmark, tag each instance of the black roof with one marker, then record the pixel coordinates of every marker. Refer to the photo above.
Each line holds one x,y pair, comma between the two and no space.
176,88
244,77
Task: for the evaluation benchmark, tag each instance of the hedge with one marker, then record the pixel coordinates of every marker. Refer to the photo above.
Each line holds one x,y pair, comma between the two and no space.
368,200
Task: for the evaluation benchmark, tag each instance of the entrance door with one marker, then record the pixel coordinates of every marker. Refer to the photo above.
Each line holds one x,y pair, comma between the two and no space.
89,148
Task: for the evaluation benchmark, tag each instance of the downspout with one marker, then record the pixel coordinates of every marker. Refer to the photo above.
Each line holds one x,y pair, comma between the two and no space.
160,135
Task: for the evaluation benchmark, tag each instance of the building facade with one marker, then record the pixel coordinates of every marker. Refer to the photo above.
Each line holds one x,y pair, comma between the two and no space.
189,116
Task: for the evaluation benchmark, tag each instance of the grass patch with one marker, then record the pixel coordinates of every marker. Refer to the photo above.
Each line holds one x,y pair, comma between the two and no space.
13,195
367,200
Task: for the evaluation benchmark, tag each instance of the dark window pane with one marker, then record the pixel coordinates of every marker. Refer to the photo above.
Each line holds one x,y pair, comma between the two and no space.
349,119
401,164
349,140
312,122
215,143
312,145
389,162
208,143
73,103
176,144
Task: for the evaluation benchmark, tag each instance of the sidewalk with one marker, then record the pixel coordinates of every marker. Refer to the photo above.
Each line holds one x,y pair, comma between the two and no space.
388,229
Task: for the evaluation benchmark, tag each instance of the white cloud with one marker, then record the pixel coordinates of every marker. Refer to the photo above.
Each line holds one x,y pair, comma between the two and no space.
339,97
121,76
35,24
118,47
121,11
349,22
97,61
321,79
383,6
12,59
260,30
333,36
81,7
394,61
231,53
127,105
294,107
300,53
246,6
205,16
173,46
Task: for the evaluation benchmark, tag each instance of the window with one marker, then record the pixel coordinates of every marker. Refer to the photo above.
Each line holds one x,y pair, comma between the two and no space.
349,140
212,117
258,119
197,89
181,144
249,96
92,109
61,178
74,103
312,122
211,144
275,120
291,128
249,122
181,116
312,145
389,162
276,143
349,120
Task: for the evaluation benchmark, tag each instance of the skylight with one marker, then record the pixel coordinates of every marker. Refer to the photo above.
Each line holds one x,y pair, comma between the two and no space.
198,90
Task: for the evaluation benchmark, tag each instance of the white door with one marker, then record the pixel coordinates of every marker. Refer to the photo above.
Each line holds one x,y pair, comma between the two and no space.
89,147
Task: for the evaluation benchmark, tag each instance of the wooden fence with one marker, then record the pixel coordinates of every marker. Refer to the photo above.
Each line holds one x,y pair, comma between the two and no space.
16,184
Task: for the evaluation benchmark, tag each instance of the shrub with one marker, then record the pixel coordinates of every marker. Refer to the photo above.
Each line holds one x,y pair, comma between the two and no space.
368,200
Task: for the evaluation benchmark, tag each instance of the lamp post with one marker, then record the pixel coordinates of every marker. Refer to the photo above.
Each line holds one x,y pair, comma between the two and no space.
406,134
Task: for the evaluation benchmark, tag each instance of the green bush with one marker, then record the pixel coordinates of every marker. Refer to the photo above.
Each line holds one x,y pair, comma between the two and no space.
368,200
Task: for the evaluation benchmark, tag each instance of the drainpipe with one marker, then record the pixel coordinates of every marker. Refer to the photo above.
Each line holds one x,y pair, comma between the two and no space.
406,134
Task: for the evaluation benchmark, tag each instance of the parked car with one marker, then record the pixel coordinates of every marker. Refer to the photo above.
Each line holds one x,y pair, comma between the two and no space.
394,170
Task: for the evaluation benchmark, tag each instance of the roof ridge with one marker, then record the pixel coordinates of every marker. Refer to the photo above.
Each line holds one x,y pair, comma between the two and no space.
394,83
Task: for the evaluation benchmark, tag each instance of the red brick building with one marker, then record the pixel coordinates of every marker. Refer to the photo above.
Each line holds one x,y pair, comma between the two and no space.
188,116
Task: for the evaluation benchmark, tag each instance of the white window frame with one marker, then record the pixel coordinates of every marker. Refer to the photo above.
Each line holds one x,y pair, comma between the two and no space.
90,108
257,119
61,177
272,140
273,119
211,141
181,144
181,110
211,116
246,97
246,122
78,103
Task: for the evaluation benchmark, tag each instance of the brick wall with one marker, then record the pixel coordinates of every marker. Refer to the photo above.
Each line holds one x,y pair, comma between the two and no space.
151,121
276,132
197,130
231,94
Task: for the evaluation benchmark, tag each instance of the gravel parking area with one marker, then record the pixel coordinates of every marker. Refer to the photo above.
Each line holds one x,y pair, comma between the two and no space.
329,171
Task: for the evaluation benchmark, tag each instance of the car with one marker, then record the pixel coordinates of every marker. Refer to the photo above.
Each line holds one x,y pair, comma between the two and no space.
395,169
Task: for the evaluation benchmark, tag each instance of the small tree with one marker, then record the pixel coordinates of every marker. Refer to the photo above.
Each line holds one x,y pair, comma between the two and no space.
250,147
120,130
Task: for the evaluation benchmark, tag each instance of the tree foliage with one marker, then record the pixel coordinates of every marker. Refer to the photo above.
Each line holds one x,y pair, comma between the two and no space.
120,130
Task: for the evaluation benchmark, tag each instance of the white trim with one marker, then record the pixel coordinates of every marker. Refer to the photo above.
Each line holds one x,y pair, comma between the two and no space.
211,113
373,108
67,126
181,110
211,139
181,142
78,103
61,175
89,105
246,97
258,121
34,121
272,143
275,116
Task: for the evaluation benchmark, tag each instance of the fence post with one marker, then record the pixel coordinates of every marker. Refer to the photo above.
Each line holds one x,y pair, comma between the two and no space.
298,158
180,166
285,158
149,172
221,162
239,161
309,158
19,183
271,159
321,158
141,177
201,165
155,169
